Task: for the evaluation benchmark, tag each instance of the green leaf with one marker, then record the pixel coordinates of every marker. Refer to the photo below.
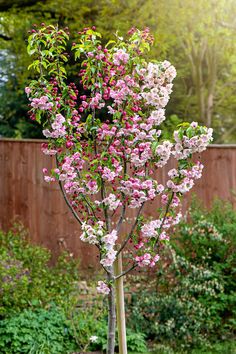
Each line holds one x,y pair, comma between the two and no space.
110,42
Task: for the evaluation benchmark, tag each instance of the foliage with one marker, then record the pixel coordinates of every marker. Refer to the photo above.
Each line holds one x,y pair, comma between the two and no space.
192,301
199,42
48,331
26,279
177,317
38,331
222,347
201,33
213,244
41,311
135,340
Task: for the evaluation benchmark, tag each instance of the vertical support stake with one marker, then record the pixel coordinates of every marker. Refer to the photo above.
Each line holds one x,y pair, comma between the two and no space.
120,306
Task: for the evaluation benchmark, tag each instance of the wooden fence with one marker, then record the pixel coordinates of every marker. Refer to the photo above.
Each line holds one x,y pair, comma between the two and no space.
40,207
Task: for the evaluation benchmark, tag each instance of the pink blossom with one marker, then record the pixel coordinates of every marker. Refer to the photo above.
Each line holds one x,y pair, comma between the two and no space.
58,130
111,201
49,179
109,259
110,239
163,152
150,229
48,151
92,234
163,236
92,187
41,103
120,56
144,260
108,174
102,288
27,90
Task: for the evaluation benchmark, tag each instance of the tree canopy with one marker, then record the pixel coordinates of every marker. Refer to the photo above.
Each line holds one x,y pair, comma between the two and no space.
197,37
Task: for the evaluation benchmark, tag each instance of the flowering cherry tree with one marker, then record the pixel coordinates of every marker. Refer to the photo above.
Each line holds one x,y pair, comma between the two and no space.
106,137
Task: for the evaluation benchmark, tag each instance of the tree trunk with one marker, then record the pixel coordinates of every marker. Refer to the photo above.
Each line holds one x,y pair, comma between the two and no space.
212,79
111,319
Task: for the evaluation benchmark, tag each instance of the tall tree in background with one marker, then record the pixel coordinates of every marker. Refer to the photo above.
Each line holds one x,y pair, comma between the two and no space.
197,36
16,18
208,48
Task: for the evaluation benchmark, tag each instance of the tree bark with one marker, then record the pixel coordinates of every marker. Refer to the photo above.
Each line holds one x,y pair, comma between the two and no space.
111,319
212,79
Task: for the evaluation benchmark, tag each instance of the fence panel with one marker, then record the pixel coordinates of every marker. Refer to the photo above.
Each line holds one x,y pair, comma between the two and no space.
26,197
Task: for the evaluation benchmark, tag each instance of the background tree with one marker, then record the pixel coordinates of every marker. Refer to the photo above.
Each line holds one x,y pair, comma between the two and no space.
197,37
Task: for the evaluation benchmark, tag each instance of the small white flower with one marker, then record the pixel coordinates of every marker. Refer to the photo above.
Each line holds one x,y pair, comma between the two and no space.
93,339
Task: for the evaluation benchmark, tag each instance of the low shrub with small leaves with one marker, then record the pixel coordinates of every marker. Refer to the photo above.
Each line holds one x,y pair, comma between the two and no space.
91,323
191,301
41,311
26,279
136,342
42,331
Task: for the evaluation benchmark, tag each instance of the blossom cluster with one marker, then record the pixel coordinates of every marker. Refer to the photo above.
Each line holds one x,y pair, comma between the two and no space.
194,140
157,79
96,235
102,288
183,180
58,129
147,260
139,192
41,103
111,201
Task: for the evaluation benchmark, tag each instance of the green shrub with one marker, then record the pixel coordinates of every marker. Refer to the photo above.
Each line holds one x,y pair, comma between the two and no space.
135,340
191,302
176,314
93,322
27,280
37,332
208,239
223,347
40,306
14,284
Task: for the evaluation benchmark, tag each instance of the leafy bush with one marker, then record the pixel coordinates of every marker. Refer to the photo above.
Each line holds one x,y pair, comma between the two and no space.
209,240
26,279
50,331
93,322
37,332
40,306
135,340
192,300
175,314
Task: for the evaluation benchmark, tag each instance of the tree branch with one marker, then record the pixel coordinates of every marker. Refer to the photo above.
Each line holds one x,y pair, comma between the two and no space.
164,217
5,37
67,200
124,203
132,230
126,271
